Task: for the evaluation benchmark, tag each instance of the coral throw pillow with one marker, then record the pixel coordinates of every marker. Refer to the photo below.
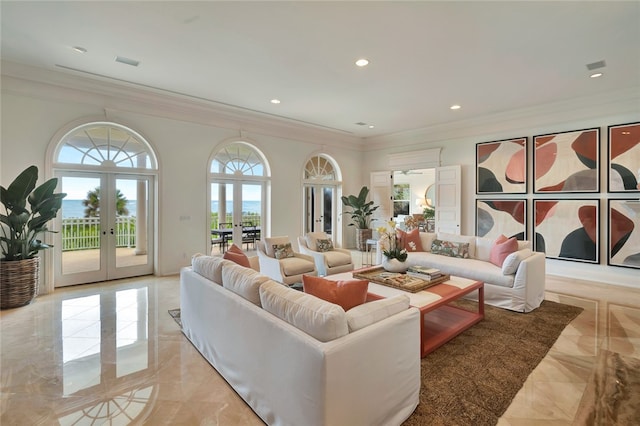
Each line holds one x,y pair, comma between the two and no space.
347,293
235,254
502,247
410,240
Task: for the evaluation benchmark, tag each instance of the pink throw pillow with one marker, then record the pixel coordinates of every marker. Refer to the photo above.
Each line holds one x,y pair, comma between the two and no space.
502,247
410,240
235,254
348,293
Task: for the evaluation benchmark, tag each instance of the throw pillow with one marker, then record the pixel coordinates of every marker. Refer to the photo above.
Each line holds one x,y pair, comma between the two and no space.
312,237
269,242
502,247
235,254
347,294
324,245
410,240
282,251
450,248
511,262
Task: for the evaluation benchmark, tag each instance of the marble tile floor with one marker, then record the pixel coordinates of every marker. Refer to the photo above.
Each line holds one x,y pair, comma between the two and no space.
109,353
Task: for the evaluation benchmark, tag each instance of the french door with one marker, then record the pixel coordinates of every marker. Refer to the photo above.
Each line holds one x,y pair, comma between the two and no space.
320,207
105,227
237,205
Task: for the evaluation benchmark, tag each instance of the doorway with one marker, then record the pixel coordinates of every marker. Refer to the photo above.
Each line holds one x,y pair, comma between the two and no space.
106,234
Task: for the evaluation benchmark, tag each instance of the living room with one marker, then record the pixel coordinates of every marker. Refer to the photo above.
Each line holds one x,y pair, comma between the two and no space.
41,103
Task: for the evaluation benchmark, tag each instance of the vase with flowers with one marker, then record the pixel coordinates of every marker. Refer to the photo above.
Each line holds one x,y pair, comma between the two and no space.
394,255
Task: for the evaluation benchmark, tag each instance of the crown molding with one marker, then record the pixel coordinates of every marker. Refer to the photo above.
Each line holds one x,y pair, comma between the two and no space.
552,115
131,98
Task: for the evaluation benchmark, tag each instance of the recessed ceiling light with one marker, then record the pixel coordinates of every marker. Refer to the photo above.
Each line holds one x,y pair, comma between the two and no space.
371,126
275,101
362,62
455,107
596,75
79,49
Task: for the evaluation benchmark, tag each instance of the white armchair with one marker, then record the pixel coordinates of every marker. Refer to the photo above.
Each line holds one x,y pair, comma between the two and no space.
286,270
333,261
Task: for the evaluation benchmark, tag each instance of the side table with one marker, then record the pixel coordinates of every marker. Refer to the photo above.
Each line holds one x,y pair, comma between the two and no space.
367,257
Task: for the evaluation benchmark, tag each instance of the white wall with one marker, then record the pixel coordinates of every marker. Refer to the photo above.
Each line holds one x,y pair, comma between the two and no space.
458,140
33,112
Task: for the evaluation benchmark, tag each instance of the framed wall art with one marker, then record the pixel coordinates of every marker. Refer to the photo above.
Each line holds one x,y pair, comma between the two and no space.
567,229
567,162
624,158
501,167
501,217
623,246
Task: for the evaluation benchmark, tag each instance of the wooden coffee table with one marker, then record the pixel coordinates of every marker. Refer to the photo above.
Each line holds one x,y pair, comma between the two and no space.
440,321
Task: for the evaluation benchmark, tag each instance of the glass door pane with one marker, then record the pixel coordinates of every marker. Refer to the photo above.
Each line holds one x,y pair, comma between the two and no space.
131,221
327,209
80,241
222,209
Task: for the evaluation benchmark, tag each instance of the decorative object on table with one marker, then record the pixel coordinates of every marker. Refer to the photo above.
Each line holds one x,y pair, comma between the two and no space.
567,229
19,268
394,254
496,217
624,158
405,282
567,162
424,272
361,211
501,167
624,233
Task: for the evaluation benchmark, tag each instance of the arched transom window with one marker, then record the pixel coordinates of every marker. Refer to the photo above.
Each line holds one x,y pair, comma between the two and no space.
107,145
238,158
319,168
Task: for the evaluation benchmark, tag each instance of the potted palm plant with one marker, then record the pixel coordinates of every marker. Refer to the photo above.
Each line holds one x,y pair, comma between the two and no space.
21,226
361,211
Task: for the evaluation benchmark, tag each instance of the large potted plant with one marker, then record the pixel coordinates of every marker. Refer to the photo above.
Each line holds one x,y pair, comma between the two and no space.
21,226
361,211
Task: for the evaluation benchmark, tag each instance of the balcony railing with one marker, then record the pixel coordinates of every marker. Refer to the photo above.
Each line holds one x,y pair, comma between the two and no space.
83,233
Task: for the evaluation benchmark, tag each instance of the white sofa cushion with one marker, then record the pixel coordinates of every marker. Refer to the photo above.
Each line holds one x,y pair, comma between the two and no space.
243,281
460,239
372,312
316,317
511,262
426,238
483,248
209,267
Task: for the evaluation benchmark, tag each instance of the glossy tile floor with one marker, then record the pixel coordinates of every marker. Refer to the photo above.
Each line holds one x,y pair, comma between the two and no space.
110,354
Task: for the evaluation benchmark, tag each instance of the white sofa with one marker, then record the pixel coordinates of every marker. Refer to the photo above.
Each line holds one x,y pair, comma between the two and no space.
518,285
343,376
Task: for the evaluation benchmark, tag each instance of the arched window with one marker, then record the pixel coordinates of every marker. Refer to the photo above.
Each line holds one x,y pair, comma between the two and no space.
238,179
107,219
107,145
322,189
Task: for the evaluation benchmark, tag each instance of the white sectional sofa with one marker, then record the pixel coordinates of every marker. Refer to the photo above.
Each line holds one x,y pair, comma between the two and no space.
319,365
518,285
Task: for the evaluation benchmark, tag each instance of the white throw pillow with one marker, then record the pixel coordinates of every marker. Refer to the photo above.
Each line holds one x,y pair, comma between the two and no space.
372,312
426,238
320,319
511,262
460,239
243,281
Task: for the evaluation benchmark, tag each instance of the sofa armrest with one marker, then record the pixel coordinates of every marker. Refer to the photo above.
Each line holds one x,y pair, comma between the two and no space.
254,262
530,278
270,267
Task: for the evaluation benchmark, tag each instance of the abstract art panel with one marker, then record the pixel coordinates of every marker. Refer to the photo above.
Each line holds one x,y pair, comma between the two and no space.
624,157
501,217
624,233
567,162
567,229
501,167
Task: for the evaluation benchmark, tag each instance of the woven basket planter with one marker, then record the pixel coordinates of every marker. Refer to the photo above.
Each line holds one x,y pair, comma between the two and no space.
362,235
18,282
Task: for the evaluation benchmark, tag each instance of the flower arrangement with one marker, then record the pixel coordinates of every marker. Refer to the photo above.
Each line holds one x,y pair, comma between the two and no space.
391,245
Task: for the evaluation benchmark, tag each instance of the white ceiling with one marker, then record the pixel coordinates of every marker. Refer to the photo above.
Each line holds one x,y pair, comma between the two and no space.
489,57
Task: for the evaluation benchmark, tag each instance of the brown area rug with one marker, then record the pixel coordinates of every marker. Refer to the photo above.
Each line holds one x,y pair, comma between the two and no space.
472,379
